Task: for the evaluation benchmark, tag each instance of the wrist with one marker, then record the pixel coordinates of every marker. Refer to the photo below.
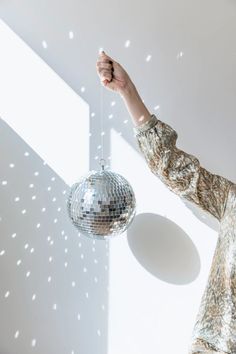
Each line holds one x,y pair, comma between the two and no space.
128,91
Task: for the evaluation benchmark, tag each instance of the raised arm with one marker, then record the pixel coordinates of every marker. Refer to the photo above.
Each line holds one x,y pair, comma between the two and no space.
180,171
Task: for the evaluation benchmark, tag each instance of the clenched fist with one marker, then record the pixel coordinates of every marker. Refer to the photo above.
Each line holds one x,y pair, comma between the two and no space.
112,75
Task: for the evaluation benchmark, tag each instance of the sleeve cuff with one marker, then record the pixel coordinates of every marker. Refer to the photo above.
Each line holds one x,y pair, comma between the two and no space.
147,125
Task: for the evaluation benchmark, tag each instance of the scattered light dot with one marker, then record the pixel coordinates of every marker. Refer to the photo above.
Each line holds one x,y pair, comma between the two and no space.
49,188
99,147
113,103
2,252
65,264
127,43
7,294
85,269
26,246
50,259
93,249
4,183
179,55
54,199
82,89
26,153
59,209
11,165
102,133
96,279
16,199
49,279
103,307
94,242
99,332
66,250
53,179
55,221
66,238
92,114
43,209
90,134
48,238
44,44
28,274
73,284
54,307
141,118
38,225
95,261
52,242
78,317
33,297
33,342
82,256
31,185
36,173
87,295
63,232
32,250
148,58
106,267
18,262
80,244
126,121
110,116
16,334
33,197
157,107
64,192
23,211
71,35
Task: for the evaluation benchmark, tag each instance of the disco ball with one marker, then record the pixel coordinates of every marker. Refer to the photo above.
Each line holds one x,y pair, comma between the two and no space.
101,204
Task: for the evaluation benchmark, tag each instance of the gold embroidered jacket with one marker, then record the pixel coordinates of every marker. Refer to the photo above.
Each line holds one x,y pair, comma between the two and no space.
215,327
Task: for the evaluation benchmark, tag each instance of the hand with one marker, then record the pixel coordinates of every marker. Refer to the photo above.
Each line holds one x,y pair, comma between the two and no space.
113,76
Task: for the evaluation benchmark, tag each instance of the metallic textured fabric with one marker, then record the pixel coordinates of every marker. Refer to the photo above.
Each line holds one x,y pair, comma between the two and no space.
101,204
215,327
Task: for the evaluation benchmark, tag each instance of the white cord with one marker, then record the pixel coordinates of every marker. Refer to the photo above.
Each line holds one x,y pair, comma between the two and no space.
101,128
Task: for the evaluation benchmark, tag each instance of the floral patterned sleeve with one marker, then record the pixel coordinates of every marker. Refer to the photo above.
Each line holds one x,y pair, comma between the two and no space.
180,171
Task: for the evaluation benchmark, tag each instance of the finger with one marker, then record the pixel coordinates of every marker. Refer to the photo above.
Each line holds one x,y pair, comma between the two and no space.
103,71
105,56
104,65
106,77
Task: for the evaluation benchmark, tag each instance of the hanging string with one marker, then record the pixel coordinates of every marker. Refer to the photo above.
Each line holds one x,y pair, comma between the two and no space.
101,128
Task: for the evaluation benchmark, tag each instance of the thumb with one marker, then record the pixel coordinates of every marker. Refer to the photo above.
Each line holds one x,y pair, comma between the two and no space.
107,56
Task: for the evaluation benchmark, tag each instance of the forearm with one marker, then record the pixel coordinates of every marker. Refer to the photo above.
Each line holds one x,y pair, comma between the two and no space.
137,110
